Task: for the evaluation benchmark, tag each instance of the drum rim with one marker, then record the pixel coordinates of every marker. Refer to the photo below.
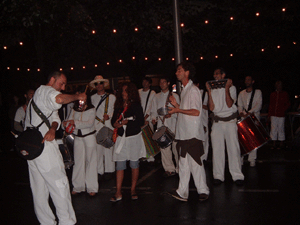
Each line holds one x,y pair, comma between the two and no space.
257,147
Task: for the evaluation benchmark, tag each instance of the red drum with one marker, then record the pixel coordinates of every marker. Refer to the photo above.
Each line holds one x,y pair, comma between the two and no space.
252,135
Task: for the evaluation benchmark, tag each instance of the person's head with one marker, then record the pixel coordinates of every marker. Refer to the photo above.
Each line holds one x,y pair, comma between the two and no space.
57,80
147,82
185,71
127,92
29,94
249,81
164,83
278,85
219,73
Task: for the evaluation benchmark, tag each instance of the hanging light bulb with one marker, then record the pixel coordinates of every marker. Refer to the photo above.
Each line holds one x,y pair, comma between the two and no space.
60,69
159,59
93,32
107,63
216,56
5,47
283,9
201,57
38,70
182,24
136,29
96,65
114,30
206,21
231,54
158,27
231,18
133,57
28,69
257,14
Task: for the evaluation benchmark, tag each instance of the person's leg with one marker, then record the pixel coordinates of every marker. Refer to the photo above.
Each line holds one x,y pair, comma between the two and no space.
121,166
184,178
166,159
218,151
176,157
91,175
109,164
78,174
274,130
281,132
134,176
100,159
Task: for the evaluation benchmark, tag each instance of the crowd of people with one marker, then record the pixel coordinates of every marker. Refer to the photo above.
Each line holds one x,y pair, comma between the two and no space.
126,114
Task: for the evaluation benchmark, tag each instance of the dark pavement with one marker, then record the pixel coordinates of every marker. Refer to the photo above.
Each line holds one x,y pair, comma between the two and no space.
270,195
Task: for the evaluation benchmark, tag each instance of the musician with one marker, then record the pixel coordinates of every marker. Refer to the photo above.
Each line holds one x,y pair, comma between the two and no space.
84,176
250,101
147,95
279,103
104,104
127,121
162,100
47,172
189,135
221,102
20,113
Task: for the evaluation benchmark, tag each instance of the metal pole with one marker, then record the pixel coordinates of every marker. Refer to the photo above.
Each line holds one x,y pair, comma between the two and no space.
177,40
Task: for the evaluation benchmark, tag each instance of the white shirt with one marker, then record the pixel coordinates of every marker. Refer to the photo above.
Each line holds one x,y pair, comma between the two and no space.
100,112
20,115
189,127
219,98
159,101
83,120
44,98
244,100
143,96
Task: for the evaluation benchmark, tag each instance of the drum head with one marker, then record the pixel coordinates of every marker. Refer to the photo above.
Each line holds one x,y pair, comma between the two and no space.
159,132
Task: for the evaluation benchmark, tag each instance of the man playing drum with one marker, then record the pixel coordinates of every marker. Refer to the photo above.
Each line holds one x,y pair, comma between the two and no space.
47,171
221,102
162,100
190,135
250,101
104,104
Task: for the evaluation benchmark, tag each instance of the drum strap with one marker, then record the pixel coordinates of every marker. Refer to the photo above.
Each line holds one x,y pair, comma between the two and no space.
104,97
251,100
115,133
101,100
40,114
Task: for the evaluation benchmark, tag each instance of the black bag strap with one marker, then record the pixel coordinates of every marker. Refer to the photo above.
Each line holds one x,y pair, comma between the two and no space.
251,100
101,100
147,101
40,114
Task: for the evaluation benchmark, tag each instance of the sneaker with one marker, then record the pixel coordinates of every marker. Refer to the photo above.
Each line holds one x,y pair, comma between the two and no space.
217,182
174,194
203,197
252,164
239,182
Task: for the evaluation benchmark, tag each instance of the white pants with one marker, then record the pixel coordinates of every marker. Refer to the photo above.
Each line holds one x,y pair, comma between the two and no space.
252,156
85,176
277,128
48,176
105,159
187,166
226,131
205,145
166,158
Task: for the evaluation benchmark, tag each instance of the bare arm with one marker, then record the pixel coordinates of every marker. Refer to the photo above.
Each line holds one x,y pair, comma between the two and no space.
18,126
50,135
190,112
65,98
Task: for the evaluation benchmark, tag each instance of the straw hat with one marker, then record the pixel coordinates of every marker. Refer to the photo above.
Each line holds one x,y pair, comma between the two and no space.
97,79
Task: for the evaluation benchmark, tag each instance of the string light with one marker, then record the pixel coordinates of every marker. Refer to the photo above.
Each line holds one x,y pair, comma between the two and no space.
231,55
96,65
173,59
158,27
146,58
283,9
136,29
294,42
120,60
206,21
201,57
262,50
186,58
133,57
8,68
231,18
83,67
72,68
93,32
21,43
114,30
182,24
38,70
107,63
278,46
18,69
28,69
216,56
60,69
5,47
159,59
257,14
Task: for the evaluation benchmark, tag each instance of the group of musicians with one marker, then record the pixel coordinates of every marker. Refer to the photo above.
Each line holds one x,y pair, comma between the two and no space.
125,114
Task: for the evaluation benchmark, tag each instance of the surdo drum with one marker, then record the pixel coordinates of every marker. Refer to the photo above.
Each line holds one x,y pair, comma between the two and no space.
104,137
163,136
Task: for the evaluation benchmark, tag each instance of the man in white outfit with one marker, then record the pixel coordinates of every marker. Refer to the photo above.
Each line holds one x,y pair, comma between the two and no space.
147,95
221,102
47,172
104,104
250,101
189,134
161,100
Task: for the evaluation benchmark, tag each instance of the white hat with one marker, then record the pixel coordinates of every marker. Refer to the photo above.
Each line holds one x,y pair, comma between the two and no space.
99,78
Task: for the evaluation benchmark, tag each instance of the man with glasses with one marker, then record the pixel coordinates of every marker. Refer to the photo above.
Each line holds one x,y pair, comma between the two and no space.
104,104
221,102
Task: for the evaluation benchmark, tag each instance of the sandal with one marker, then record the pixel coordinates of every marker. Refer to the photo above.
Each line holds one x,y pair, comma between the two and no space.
115,199
134,197
92,194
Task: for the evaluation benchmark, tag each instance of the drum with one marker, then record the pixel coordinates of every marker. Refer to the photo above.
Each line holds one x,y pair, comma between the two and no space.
152,147
66,147
251,133
215,84
163,136
104,137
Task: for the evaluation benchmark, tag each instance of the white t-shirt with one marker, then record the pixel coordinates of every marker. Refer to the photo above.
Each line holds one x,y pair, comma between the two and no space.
20,115
244,100
143,96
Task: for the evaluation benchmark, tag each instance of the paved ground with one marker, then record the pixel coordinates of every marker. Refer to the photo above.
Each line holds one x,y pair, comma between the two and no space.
270,195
